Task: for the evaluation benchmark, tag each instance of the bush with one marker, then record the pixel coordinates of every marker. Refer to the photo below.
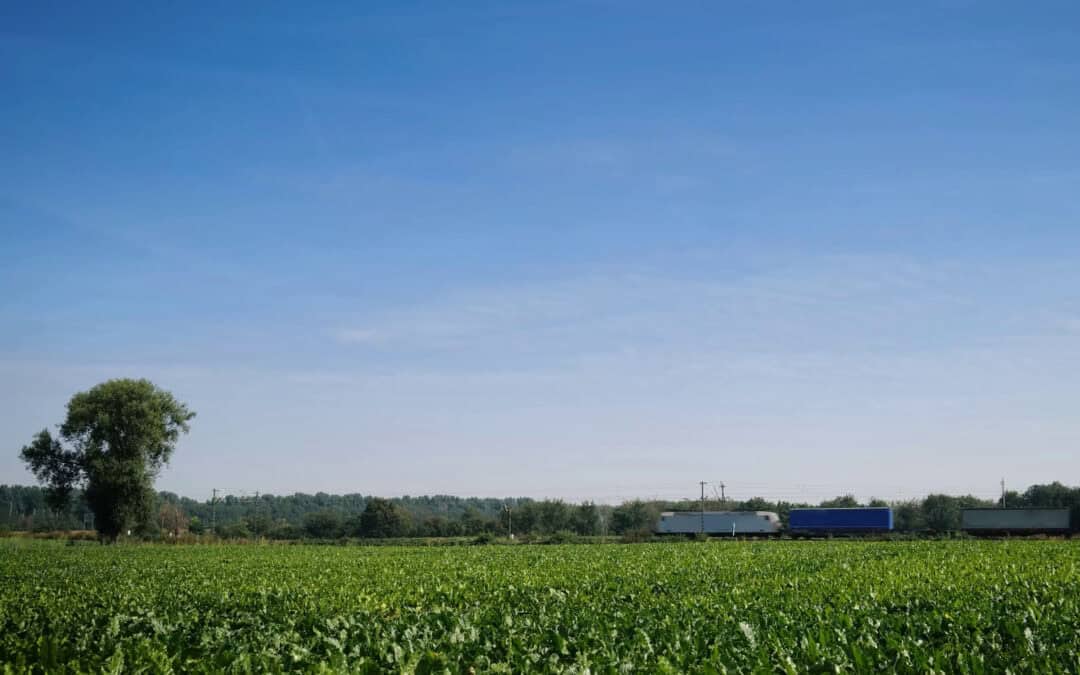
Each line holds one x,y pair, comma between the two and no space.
237,530
563,537
285,531
637,535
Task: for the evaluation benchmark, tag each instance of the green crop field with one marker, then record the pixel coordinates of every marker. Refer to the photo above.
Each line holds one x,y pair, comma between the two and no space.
774,606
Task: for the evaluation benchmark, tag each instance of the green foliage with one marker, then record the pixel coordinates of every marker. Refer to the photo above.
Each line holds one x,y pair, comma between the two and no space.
843,502
116,438
383,519
908,516
325,524
942,513
473,522
563,537
484,539
260,524
585,519
439,526
285,531
238,530
757,504
749,607
23,507
634,517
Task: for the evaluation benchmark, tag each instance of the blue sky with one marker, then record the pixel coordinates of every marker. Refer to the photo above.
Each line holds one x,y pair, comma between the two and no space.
584,250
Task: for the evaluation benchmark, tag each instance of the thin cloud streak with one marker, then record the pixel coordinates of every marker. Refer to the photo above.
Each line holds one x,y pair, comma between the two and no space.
845,304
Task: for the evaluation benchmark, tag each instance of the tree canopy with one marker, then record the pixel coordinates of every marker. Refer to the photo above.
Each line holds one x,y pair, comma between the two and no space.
383,518
113,443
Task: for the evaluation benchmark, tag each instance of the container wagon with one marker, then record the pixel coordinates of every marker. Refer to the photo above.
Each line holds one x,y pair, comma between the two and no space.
1015,521
840,521
730,523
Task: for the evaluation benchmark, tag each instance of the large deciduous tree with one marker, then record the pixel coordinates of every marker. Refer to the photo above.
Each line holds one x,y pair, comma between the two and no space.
115,440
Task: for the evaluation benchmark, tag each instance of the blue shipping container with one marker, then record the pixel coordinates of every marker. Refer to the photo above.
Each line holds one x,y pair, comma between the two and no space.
841,520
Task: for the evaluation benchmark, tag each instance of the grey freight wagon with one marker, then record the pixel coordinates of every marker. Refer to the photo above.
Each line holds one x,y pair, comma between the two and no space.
1015,521
730,523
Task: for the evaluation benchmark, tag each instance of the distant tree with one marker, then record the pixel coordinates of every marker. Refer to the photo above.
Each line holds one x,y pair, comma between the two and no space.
1012,500
843,502
116,438
877,503
633,517
941,513
585,519
382,518
473,523
324,524
908,516
972,502
552,515
525,518
284,531
171,518
1052,496
757,504
236,530
259,524
195,525
351,526
439,526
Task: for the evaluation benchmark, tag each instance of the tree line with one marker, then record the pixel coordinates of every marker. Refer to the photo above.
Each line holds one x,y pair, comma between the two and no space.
327,516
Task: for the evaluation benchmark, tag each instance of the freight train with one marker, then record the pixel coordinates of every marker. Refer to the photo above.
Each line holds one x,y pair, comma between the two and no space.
811,522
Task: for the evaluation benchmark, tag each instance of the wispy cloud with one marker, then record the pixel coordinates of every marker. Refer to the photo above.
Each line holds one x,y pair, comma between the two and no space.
783,304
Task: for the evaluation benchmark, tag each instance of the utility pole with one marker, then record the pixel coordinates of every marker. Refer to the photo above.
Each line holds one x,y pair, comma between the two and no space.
703,484
213,512
723,497
1002,493
509,520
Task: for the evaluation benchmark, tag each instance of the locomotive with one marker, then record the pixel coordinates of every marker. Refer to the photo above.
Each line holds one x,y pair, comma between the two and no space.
719,522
